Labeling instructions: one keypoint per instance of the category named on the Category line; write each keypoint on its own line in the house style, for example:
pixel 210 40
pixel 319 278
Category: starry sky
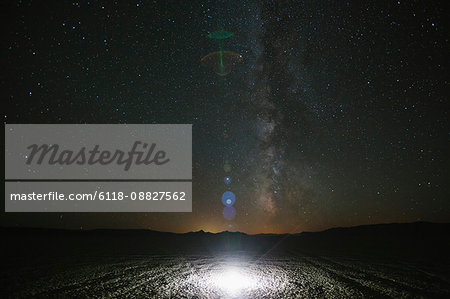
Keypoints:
pixel 337 114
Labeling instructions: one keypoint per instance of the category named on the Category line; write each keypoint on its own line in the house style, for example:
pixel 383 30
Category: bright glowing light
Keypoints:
pixel 234 277
pixel 233 281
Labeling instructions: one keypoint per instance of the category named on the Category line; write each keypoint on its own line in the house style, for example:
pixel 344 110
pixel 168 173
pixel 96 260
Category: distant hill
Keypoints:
pixel 417 241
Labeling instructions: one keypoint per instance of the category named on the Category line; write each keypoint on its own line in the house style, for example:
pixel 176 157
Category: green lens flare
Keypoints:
pixel 221 62
pixel 221 34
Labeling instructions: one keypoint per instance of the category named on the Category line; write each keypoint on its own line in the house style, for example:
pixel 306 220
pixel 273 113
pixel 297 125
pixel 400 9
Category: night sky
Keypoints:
pixel 337 114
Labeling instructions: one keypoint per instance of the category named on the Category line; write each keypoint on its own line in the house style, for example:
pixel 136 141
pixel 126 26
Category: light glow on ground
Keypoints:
pixel 234 280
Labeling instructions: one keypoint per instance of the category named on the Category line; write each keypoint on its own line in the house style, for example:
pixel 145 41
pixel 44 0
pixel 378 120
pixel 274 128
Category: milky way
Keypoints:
pixel 337 114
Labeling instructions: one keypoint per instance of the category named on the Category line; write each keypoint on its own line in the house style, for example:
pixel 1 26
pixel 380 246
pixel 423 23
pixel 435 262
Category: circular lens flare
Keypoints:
pixel 227 167
pixel 221 62
pixel 228 198
pixel 229 213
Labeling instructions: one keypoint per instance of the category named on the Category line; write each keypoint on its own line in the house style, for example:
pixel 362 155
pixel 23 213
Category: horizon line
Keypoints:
pixel 214 233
